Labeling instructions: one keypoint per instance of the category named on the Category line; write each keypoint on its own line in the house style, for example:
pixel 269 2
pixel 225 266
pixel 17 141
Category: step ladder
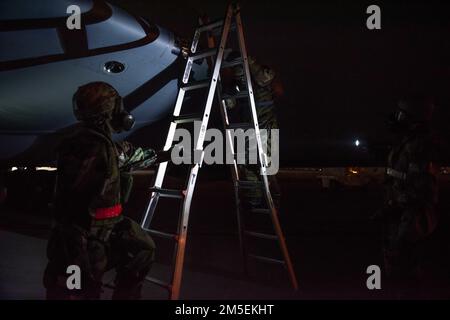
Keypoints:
pixel 232 22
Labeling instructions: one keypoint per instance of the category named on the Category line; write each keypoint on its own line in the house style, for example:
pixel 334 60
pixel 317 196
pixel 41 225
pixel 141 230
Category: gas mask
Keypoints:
pixel 264 76
pixel 398 121
pixel 121 120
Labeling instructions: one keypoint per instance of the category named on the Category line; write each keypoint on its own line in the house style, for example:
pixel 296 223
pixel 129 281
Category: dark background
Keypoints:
pixel 340 79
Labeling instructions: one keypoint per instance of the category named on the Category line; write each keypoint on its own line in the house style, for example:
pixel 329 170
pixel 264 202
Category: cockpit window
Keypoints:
pixel 119 29
pixel 23 44
pixel 39 35
pixel 39 9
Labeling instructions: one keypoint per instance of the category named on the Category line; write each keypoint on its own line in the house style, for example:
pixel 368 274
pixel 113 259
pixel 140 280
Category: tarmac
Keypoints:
pixel 329 234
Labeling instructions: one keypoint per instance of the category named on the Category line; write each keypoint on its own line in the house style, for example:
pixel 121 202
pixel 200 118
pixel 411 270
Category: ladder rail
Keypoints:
pixel 186 195
pixel 233 168
pixel 215 77
pixel 162 167
pixel 262 158
pixel 235 177
pixel 182 235
pixel 181 244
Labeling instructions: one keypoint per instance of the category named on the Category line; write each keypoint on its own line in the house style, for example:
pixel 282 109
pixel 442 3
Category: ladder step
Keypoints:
pixel 232 63
pixel 249 184
pixel 267 259
pixel 109 285
pixel 188 118
pixel 243 126
pixel 260 211
pixel 238 95
pixel 168 193
pixel 196 85
pixel 217 31
pixel 261 235
pixel 160 283
pixel 210 26
pixel 162 234
pixel 203 54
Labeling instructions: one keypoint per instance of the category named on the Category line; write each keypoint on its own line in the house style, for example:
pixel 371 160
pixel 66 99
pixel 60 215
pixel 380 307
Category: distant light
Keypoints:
pixel 357 142
pixel 37 168
pixel 46 168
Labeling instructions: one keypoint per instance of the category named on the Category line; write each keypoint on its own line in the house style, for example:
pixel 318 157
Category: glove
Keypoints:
pixel 230 103
pixel 140 159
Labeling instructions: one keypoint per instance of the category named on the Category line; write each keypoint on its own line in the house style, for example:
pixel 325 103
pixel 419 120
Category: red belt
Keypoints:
pixel 106 213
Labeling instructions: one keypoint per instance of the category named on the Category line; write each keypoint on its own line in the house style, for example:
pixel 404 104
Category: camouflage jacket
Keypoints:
pixel 264 100
pixel 411 177
pixel 88 190
pixel 265 107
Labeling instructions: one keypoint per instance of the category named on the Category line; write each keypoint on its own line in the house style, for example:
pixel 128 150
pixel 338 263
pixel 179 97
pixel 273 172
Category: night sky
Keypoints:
pixel 340 79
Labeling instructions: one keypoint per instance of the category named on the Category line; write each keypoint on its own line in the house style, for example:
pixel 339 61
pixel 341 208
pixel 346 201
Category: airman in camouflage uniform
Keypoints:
pixel 93 183
pixel 262 78
pixel 409 215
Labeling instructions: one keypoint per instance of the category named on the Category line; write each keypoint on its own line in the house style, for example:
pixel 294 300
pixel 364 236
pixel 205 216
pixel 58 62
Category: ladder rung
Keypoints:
pixel 162 234
pixel 238 95
pixel 188 118
pixel 160 283
pixel 217 31
pixel 203 54
pixel 261 235
pixel 260 210
pixel 210 26
pixel 243 126
pixel 267 259
pixel 232 63
pixel 196 85
pixel 109 285
pixel 168 193
pixel 249 184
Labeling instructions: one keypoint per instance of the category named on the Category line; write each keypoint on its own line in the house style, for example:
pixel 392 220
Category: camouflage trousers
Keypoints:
pixel 254 197
pixel 124 247
pixel 403 249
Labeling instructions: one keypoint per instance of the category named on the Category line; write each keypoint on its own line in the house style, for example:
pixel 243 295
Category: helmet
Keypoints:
pixel 93 100
pixel 411 111
pixel 98 102
pixel 417 108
